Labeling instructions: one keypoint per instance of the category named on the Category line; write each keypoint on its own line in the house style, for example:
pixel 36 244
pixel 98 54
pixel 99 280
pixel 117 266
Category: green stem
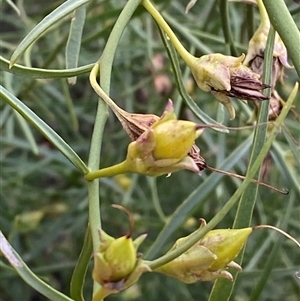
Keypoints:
pixel 155 199
pixel 264 18
pixel 286 27
pixel 186 56
pixel 222 289
pixel 226 27
pixel 101 294
pixel 105 62
pixel 114 107
pixel 197 235
pixel 108 171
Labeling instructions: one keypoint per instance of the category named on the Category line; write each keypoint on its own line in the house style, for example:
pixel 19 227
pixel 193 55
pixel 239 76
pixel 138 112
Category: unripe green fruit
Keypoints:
pixel 121 257
pixel 173 139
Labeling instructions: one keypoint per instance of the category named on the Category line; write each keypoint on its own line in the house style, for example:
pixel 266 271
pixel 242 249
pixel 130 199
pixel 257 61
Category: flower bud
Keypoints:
pixel 225 244
pixel 174 139
pixel 117 264
pixel 209 257
pixel 164 147
pixel 116 259
pixel 123 181
pixel 121 257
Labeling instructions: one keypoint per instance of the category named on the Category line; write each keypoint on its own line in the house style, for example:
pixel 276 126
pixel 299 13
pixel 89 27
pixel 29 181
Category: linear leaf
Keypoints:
pixel 27 275
pixel 223 289
pixel 77 281
pixel 74 40
pixel 44 129
pixel 42 73
pixel 57 14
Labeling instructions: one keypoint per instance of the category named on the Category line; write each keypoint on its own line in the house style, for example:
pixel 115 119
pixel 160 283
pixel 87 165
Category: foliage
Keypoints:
pixel 46 202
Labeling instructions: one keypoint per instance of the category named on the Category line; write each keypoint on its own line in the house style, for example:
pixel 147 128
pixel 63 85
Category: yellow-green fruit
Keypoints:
pixel 121 257
pixel 173 139
pixel 226 244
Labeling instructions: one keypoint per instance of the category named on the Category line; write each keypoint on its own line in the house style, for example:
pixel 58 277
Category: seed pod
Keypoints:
pixel 209 257
pixel 173 139
pixel 225 244
pixel 116 259
pixel 121 257
pixel 226 76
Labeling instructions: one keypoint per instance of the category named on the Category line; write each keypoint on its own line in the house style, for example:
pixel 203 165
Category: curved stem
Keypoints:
pixel 264 18
pixel 114 107
pixel 186 56
pixel 105 63
pixel 108 171
pixel 155 199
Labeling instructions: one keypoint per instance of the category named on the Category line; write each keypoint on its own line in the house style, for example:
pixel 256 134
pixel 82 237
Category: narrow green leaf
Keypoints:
pixel 70 105
pixel 74 40
pixel 42 73
pixel 180 85
pixel 77 281
pixel 44 129
pixel 8 83
pixel 27 132
pixel 57 14
pixel 27 275
pixel 222 289
pixel 13 6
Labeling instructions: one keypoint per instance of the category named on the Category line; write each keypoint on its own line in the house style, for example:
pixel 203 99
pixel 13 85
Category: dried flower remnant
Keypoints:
pixel 226 76
pixel 133 124
pixel 257 45
pixel 276 105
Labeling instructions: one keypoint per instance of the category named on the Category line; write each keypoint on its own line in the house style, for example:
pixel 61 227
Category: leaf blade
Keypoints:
pixel 57 14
